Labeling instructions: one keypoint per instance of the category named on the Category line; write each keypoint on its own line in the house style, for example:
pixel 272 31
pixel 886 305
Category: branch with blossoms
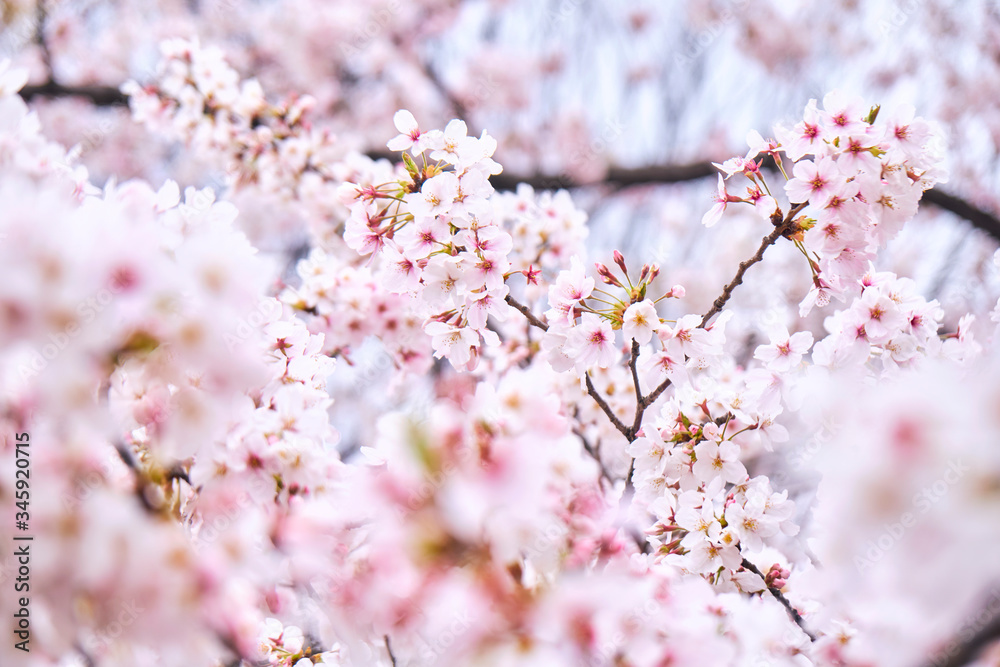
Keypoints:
pixel 847 201
pixel 616 177
pixel 431 232
pixel 475 527
pixel 432 218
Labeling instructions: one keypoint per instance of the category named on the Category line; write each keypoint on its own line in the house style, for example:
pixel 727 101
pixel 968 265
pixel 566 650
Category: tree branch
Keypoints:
pixel 780 229
pixel 963 209
pixel 780 597
pixel 625 430
pixel 639 407
pixel 968 649
pixel 594 454
pixel 617 177
pixel 101 96
pixel 388 649
pixel 524 310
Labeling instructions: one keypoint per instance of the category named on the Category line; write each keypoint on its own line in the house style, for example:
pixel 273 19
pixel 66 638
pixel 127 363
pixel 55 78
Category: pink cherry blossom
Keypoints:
pixel 814 181
pixel 592 342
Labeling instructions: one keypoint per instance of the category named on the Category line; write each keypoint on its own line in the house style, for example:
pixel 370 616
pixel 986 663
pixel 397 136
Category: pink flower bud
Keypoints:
pixel 620 261
pixel 606 275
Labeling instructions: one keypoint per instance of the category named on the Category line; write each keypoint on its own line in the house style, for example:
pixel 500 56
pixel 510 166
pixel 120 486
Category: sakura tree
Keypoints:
pixel 295 372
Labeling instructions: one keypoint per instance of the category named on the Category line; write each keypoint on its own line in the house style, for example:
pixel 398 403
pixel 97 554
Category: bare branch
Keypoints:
pixel 101 96
pixel 618 178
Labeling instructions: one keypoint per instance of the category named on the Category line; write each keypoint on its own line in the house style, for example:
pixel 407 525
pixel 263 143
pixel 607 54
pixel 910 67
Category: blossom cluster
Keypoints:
pixel 581 335
pixel 890 321
pixel 345 304
pixel 580 497
pixel 855 180
pixel 436 236
pixel 200 99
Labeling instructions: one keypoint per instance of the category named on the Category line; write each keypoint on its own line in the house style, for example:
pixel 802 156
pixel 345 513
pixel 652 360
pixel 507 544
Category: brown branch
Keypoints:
pixel 779 230
pixel 388 649
pixel 594 454
pixel 639 408
pixel 618 424
pixel 616 177
pixel 101 96
pixel 524 310
pixel 978 217
pixel 619 178
pixel 643 402
pixel 780 597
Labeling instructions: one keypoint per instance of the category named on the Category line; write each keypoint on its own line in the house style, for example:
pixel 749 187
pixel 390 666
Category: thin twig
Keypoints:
pixel 594 454
pixel 388 649
pixel 779 230
pixel 607 408
pixel 727 292
pixel 524 310
pixel 780 597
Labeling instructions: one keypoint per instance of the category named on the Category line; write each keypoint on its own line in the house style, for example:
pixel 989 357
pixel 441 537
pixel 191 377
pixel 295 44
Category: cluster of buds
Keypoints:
pixel 777 577
pixel 634 293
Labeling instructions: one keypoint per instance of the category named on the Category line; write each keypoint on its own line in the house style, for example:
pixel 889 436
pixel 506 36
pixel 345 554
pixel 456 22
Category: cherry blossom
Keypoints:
pixel 243 428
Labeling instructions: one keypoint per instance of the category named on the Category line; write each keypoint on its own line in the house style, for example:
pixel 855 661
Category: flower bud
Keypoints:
pixel 606 275
pixel 620 261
